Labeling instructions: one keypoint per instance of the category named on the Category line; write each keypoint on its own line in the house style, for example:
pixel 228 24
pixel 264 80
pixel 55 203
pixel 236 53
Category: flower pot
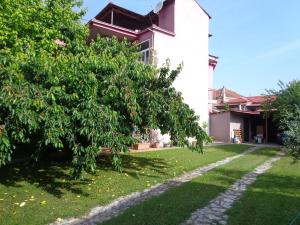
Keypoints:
pixel 141 146
pixel 105 150
pixel 155 145
pixel 167 145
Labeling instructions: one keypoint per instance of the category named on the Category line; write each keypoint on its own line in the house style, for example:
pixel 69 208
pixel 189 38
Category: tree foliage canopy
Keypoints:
pixel 287 115
pixel 82 96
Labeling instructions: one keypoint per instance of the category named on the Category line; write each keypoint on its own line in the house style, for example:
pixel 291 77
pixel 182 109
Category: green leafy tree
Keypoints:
pixel 287 105
pixel 226 107
pixel 80 96
pixel 292 141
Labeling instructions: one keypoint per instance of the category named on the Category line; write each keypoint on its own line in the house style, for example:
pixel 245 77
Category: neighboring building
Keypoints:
pixel 232 112
pixel 178 32
pixel 220 96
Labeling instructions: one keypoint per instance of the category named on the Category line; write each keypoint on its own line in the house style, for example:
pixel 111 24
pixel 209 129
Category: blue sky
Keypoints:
pixel 258 41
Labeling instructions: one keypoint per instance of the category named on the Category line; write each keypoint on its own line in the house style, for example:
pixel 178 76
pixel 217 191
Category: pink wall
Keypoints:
pixel 146 36
pixel 220 126
pixel 167 17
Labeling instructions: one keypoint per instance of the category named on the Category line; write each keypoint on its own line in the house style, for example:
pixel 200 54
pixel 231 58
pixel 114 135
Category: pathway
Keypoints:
pixel 214 213
pixel 118 206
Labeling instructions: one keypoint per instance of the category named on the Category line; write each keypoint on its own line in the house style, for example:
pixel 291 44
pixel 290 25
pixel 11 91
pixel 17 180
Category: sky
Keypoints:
pixel 257 41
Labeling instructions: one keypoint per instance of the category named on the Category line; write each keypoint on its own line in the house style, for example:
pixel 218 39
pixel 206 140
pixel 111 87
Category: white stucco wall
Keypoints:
pixel 164 46
pixel 236 123
pixel 210 77
pixel 190 46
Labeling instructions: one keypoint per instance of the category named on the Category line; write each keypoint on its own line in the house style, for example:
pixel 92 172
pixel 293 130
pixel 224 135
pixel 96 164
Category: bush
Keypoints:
pixel 82 96
pixel 287 104
pixel 292 140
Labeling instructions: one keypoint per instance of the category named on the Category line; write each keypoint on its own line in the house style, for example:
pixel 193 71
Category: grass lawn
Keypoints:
pixel 40 194
pixel 176 205
pixel 273 199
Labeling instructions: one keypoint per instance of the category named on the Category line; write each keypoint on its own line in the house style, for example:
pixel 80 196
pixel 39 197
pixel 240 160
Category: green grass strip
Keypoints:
pixel 176 205
pixel 49 193
pixel 273 199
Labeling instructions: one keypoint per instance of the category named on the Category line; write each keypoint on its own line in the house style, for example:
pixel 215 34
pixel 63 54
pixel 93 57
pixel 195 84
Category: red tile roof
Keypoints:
pixel 257 99
pixel 229 94
pixel 237 100
pixel 252 100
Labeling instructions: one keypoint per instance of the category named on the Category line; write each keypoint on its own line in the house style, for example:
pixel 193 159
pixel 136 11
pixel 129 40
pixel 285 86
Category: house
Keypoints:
pixel 232 112
pixel 177 30
pixel 219 96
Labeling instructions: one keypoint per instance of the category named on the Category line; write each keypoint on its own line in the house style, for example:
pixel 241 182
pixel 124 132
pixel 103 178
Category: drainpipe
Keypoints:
pixel 112 18
pixel 152 43
pixel 250 129
pixel 267 130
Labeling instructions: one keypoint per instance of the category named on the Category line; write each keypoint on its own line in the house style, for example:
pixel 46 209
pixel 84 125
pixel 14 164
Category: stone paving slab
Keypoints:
pixel 214 213
pixel 103 213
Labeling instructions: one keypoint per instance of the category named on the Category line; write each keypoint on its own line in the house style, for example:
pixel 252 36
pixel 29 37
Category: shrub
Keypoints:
pixel 287 104
pixel 80 96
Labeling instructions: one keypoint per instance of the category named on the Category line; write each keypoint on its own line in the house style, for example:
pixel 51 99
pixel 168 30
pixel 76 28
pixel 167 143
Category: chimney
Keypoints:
pixel 224 94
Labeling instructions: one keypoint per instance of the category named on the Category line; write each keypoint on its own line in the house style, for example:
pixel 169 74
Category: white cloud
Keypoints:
pixel 291 46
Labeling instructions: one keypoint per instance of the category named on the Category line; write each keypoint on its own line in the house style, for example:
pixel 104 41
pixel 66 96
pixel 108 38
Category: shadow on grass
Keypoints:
pixel 133 164
pixel 54 177
pixel 50 177
pixel 176 205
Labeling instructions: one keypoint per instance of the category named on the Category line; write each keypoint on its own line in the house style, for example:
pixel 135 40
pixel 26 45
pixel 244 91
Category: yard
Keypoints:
pixel 176 205
pixel 273 199
pixel 42 194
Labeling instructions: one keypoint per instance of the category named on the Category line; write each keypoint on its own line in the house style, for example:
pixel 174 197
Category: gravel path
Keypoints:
pixel 214 213
pixel 103 213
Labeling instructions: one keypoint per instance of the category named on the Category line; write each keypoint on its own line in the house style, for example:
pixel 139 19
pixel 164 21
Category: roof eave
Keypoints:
pixel 114 28
pixel 203 10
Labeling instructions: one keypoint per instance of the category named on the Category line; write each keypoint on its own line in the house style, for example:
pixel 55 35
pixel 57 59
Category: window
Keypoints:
pixel 145 52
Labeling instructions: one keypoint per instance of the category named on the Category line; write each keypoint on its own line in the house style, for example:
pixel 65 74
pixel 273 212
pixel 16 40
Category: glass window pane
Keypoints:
pixel 145 45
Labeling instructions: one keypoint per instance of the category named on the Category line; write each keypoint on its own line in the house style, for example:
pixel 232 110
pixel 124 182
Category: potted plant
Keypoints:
pixel 105 150
pixel 154 139
pixel 142 140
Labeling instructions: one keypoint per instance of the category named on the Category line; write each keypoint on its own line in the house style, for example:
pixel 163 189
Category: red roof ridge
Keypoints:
pixel 229 93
